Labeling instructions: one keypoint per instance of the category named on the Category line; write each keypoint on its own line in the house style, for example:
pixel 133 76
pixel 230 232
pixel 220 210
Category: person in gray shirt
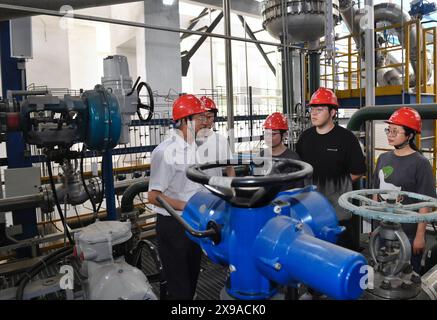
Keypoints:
pixel 406 169
pixel 275 129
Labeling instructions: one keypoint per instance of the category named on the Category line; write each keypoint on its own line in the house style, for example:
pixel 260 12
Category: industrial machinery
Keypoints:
pixel 305 20
pixel 390 249
pixel 110 277
pixel 392 14
pixel 100 120
pixel 265 238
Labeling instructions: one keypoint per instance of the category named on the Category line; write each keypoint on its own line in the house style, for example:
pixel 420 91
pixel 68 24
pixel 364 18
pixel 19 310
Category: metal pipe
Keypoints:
pixel 426 111
pixel 137 24
pixel 13 93
pixel 250 111
pixel 369 45
pixel 394 15
pixel 229 77
pixel 369 56
pixel 314 71
pixel 58 5
pixel 22 202
pixel 38 199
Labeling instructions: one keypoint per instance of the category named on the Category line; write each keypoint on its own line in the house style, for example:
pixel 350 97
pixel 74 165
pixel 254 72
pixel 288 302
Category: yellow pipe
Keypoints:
pixel 359 71
pixel 349 64
pixel 418 72
pixel 390 66
pixel 389 49
pixel 418 63
pixel 407 60
pixel 424 64
pixel 434 160
pixel 305 75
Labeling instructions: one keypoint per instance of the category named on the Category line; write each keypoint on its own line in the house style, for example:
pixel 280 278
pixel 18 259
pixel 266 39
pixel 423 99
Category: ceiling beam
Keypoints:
pixel 243 7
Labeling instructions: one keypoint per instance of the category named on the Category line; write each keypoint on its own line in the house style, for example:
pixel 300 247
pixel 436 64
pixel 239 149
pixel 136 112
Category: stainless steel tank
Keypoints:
pixel 304 19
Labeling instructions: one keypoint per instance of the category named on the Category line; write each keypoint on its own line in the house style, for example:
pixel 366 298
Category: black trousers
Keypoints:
pixel 350 237
pixel 180 258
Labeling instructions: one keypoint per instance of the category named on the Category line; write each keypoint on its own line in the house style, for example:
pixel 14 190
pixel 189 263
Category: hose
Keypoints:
pixel 58 206
pixel 159 277
pixel 103 192
pixel 127 201
pixel 93 204
pixel 36 268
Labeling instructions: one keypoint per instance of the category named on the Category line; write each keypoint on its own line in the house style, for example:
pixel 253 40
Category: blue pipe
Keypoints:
pixel 288 241
pixel 288 251
pixel 109 184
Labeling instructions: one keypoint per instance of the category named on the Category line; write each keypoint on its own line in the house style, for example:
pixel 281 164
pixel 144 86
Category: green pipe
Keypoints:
pixel 426 111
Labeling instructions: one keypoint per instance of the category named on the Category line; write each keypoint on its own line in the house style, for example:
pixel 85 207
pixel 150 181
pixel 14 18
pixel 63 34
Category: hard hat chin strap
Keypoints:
pixel 404 144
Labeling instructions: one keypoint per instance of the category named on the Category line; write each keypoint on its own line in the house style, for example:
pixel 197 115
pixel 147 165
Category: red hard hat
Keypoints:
pixel 406 117
pixel 276 121
pixel 209 104
pixel 187 105
pixel 324 96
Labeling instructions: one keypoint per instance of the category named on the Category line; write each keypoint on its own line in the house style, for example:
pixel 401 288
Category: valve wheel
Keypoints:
pixel 250 191
pixel 390 209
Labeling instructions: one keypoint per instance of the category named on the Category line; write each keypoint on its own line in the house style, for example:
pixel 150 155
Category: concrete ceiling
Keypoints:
pixel 244 7
pixel 6 14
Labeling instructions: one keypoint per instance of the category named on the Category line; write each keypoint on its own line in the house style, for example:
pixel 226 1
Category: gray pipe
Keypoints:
pixel 427 112
pixel 53 5
pixel 40 199
pixel 393 14
pixel 229 76
pixel 21 202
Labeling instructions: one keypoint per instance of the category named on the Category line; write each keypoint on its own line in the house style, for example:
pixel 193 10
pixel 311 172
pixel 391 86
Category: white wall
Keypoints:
pixel 129 40
pixel 69 53
pixel 51 53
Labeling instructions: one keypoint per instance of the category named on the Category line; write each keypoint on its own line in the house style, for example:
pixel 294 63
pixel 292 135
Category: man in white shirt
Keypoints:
pixel 179 255
pixel 215 146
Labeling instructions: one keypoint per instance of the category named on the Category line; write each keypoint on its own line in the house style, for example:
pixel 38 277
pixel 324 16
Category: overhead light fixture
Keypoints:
pixel 168 2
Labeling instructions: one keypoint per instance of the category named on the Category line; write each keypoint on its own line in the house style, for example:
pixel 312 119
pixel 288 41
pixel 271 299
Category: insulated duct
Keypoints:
pixel 52 5
pixel 392 14
pixel 426 111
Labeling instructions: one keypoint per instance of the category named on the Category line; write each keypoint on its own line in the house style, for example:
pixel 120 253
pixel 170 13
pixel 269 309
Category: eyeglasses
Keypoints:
pixel 200 118
pixel 271 133
pixel 392 132
pixel 316 110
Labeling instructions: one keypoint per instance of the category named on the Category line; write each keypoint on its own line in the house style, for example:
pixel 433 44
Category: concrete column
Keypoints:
pixel 163 52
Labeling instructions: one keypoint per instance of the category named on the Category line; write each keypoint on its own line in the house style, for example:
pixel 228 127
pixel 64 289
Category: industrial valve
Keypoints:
pixel 269 238
pixel 93 118
pixel 390 249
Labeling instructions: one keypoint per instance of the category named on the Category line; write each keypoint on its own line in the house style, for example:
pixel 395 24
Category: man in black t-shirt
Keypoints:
pixel 335 154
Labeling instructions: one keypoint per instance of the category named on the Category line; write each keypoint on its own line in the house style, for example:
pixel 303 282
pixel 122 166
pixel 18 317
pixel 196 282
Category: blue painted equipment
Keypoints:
pixel 284 238
pixel 93 118
pixel 421 8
